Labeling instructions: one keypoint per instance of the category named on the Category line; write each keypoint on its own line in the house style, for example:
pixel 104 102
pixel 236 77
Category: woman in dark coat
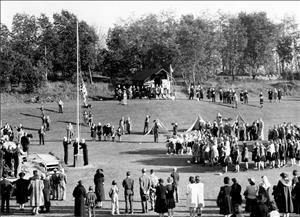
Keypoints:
pixel 296 195
pixel 161 199
pixel 170 196
pixel 21 190
pixel 99 187
pixel 236 196
pixel 79 194
pixel 284 191
pixel 224 198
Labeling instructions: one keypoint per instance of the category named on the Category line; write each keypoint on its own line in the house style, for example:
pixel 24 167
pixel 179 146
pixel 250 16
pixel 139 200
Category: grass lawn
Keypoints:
pixel 137 151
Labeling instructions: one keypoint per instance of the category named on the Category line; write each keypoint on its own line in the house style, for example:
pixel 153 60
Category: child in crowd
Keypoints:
pixel 113 194
pixel 90 202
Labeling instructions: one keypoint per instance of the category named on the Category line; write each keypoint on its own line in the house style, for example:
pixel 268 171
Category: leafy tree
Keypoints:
pixel 235 43
pixel 261 39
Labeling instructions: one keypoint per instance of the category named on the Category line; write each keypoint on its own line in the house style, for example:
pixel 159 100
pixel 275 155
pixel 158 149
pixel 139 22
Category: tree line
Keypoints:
pixel 38 50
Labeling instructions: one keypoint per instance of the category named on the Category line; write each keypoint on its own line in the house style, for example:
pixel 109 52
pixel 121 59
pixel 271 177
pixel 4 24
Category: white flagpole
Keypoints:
pixel 78 97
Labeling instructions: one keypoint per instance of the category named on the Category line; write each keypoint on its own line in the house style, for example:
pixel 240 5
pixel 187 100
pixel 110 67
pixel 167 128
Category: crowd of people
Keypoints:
pixel 38 190
pixel 108 132
pixel 154 194
pixel 141 92
pixel 230 95
pixel 262 200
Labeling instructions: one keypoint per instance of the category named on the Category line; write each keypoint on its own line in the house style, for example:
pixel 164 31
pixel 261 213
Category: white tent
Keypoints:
pixel 198 123
pixel 161 127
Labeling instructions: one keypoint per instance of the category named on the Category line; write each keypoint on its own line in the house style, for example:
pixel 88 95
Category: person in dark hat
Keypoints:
pixel 79 194
pixel 6 188
pixel 21 189
pixel 83 146
pixel 284 193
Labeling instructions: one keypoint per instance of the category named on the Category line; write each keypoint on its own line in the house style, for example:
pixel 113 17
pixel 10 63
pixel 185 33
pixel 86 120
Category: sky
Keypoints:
pixel 104 14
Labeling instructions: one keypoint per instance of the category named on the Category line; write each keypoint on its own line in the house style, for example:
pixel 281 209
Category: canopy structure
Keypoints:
pixel 197 125
pixel 160 125
pixel 239 120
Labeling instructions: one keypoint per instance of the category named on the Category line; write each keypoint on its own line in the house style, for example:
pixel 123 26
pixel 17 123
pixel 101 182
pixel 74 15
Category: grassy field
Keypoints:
pixel 137 151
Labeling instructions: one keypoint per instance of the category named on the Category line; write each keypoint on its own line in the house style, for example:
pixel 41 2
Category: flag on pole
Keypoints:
pixel 83 89
pixel 171 70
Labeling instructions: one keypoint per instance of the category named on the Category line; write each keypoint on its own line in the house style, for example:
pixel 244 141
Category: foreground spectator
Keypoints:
pixel 79 194
pixel 161 199
pixel 90 202
pixel 224 199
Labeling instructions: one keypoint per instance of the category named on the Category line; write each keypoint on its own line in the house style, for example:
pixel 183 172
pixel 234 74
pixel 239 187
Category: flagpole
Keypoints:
pixel 78 97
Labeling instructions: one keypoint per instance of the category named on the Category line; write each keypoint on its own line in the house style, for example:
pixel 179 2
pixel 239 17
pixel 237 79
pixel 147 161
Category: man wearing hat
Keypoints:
pixel 128 184
pixel 66 149
pixel 144 182
pixel 6 188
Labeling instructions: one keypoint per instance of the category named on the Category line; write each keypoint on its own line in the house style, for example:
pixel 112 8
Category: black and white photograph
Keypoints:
pixel 150 108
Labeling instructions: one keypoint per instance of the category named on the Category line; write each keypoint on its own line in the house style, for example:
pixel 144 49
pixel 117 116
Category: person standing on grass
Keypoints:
pixel 99 131
pixel 236 189
pixel 245 156
pixel 6 188
pixel 42 133
pixel 122 125
pixel 60 106
pixel 155 131
pixel 75 151
pixel 224 199
pixel 90 202
pixel 79 194
pixel 93 131
pixel 250 195
pixel 21 188
pixel 46 194
pixel 66 144
pixel 175 176
pixel 83 146
pixel 47 122
pixel 54 180
pixel 114 196
pixel 146 126
pixel 170 197
pixel 200 195
pixel 261 100
pixel 36 187
pixel 270 95
pixel 283 189
pixel 62 186
pixel 153 184
pixel 128 125
pixel 99 187
pixel 144 182
pixel 191 196
pixel 128 185
pixel 161 199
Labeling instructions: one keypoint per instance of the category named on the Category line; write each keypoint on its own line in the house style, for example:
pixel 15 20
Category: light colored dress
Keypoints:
pixel 200 194
pixel 192 196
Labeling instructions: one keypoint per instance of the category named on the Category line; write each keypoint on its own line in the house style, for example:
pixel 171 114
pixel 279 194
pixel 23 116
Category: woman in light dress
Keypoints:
pixel 192 196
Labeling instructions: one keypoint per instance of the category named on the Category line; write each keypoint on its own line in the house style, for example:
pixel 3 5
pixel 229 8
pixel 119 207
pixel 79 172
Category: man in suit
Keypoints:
pixel 5 189
pixel 175 177
pixel 144 182
pixel 128 184
pixel 153 184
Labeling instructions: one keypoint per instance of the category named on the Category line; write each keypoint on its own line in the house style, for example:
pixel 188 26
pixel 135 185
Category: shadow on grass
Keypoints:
pixel 101 98
pixel 252 105
pixel 30 115
pixel 145 152
pixel 51 110
pixel 29 128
